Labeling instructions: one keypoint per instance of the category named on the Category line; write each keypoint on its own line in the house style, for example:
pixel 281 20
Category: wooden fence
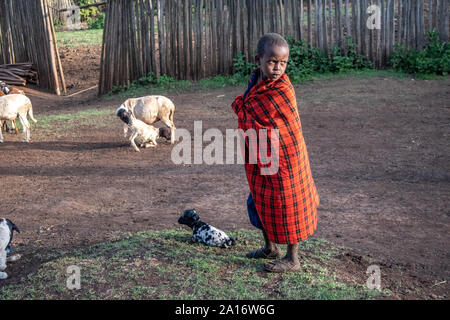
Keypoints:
pixel 193 39
pixel 27 35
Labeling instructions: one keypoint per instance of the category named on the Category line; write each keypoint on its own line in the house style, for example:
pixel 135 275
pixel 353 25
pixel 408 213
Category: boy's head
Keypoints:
pixel 272 56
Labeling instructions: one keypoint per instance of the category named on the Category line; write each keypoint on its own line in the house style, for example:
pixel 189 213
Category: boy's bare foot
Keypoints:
pixel 289 263
pixel 270 250
pixel 282 265
pixel 264 253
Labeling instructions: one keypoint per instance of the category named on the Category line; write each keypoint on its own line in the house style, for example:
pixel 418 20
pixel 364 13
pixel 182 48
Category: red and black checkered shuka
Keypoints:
pixel 285 201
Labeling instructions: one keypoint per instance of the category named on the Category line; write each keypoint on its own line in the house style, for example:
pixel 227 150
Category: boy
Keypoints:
pixel 284 204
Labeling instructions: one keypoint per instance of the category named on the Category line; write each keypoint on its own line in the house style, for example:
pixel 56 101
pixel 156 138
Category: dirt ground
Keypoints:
pixel 379 154
pixel 81 67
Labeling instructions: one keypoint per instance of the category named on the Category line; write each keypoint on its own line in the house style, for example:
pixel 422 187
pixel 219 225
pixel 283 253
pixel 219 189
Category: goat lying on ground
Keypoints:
pixel 14 105
pixel 7 229
pixel 151 109
pixel 205 233
pixel 145 135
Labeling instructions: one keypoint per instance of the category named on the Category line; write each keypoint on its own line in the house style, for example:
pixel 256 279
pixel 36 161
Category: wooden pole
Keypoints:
pixel 58 59
pixel 310 37
pixel 330 13
pixel 324 25
pixel 51 49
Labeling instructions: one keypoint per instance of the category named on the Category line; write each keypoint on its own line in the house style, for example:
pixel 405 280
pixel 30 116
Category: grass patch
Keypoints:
pixel 162 85
pixel 61 123
pixel 89 37
pixel 223 81
pixel 370 73
pixel 361 74
pixel 220 81
pixel 164 265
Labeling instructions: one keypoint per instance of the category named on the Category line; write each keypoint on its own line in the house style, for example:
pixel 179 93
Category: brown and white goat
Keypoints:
pixel 4 90
pixel 13 106
pixel 151 109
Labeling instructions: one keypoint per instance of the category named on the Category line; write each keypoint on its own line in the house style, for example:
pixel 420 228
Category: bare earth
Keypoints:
pixel 378 148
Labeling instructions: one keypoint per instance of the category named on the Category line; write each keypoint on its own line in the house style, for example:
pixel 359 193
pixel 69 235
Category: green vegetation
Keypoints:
pixel 151 85
pixel 221 81
pixel 434 59
pixel 62 123
pixel 241 66
pixel 79 38
pixel 94 18
pixel 58 23
pixel 361 74
pixel 305 62
pixel 90 13
pixel 164 265
pixel 158 85
pixel 169 84
pixel 97 22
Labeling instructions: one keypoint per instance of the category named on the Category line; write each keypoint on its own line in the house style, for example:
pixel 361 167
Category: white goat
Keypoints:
pixel 17 105
pixel 151 109
pixel 144 134
pixel 7 229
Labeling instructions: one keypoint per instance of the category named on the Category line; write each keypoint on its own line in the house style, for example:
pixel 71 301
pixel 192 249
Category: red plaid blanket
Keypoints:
pixel 287 200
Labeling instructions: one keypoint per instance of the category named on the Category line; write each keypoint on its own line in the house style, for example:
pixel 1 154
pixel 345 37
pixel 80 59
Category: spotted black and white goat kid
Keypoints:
pixel 144 134
pixel 7 229
pixel 205 233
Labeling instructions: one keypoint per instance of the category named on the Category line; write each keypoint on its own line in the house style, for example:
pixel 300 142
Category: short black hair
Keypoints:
pixel 270 39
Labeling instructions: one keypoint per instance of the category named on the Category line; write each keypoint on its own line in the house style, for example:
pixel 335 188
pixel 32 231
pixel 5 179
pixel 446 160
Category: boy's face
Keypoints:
pixel 274 62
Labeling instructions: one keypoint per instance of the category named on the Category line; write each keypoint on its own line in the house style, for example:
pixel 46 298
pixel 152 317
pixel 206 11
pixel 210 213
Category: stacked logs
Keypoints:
pixel 27 35
pixel 18 74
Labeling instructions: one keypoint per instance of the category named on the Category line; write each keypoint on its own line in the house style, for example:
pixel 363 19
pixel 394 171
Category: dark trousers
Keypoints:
pixel 253 214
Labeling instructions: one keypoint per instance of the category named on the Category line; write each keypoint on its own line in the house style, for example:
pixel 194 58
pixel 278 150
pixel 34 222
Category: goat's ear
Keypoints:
pixel 12 226
pixel 195 215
